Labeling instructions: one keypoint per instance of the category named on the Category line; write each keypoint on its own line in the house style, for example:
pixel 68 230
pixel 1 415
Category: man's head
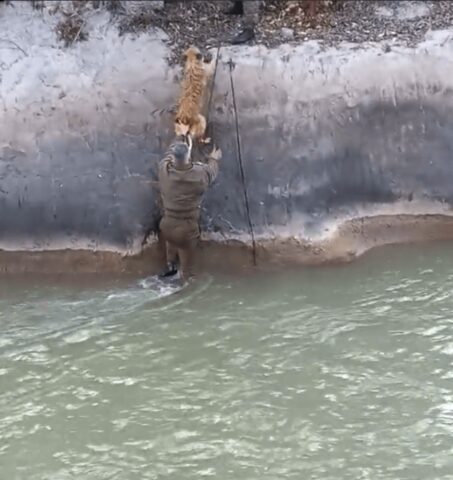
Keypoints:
pixel 181 151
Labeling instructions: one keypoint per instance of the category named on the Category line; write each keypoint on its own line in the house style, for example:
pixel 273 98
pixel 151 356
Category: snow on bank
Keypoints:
pixel 47 88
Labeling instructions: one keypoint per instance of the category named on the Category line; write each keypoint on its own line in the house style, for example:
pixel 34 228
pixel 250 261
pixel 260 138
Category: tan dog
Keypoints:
pixel 189 119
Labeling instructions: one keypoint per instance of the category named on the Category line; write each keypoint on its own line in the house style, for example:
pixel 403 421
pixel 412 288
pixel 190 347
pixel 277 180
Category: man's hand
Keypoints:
pixel 216 153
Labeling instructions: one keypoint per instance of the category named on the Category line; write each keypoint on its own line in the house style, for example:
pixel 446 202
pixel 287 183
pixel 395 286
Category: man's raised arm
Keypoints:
pixel 211 167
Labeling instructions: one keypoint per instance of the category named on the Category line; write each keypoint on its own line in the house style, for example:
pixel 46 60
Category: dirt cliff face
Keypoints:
pixel 313 138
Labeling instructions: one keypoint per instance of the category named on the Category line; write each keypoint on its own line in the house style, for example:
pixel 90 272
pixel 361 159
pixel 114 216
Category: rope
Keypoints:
pixel 241 166
pixel 212 84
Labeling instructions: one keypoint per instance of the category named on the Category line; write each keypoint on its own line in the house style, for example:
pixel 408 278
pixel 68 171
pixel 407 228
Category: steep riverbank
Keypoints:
pixel 346 138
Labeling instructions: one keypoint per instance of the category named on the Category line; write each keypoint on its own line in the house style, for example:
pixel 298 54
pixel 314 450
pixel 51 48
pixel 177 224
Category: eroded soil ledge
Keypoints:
pixel 351 240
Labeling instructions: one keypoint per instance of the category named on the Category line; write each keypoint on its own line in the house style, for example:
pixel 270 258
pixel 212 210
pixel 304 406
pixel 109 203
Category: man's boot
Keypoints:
pixel 170 271
pixel 247 34
pixel 236 9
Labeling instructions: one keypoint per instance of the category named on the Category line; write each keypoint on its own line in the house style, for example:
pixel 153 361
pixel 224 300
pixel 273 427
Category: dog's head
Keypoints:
pixel 181 129
pixel 192 54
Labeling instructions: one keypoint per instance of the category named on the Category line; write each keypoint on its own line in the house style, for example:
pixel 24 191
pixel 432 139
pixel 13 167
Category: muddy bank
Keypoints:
pixel 350 240
pixel 327 136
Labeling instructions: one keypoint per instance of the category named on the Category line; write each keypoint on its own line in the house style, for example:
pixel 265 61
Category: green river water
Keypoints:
pixel 338 373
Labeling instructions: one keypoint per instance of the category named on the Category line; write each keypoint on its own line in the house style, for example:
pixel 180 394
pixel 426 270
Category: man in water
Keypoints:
pixel 182 184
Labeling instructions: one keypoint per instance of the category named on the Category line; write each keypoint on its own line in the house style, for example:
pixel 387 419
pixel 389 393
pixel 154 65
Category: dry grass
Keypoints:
pixel 299 14
pixel 139 22
pixel 203 23
pixel 71 28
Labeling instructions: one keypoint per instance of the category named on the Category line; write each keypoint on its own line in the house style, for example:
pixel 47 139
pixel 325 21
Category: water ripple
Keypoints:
pixel 265 377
